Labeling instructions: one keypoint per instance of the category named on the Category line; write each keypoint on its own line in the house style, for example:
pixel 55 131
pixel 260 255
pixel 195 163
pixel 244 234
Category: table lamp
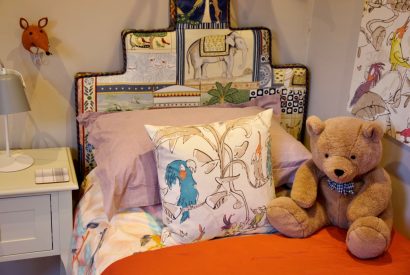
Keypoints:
pixel 12 100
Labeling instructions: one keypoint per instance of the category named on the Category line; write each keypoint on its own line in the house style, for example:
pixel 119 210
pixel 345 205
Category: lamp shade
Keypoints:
pixel 12 96
pixel 12 100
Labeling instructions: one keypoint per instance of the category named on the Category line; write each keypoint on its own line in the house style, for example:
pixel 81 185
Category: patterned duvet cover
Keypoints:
pixel 98 242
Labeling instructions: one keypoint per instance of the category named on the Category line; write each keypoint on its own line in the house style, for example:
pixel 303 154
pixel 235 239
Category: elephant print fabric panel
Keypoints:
pixel 380 87
pixel 218 56
pixel 215 179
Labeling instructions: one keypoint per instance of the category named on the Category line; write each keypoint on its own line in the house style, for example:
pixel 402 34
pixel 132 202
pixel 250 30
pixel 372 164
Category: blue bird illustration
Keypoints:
pixel 182 170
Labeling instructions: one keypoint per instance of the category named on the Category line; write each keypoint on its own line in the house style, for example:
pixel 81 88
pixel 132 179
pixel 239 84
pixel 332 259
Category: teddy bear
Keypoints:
pixel 342 185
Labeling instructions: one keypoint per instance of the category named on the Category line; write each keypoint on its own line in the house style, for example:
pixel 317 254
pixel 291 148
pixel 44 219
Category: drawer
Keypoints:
pixel 25 224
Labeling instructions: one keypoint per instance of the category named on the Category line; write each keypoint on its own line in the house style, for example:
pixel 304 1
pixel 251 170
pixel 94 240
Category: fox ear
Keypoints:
pixel 42 22
pixel 314 126
pixel 23 23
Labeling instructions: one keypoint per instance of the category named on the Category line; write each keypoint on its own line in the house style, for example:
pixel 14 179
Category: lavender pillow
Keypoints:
pixel 265 102
pixel 287 154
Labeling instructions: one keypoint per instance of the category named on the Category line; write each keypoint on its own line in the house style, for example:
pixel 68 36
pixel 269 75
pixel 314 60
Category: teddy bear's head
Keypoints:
pixel 345 147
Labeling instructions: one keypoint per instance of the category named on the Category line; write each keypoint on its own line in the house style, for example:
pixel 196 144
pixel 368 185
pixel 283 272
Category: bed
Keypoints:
pixel 115 247
pixel 181 150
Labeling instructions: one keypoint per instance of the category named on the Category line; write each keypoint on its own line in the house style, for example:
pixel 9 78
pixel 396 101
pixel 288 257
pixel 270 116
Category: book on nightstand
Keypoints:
pixel 52 175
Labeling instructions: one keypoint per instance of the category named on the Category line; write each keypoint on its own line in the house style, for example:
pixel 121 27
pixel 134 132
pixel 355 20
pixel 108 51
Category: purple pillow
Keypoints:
pixel 265 102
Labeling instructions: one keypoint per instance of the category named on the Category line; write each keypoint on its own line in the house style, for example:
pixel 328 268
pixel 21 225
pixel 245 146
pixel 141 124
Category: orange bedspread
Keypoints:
pixel 322 253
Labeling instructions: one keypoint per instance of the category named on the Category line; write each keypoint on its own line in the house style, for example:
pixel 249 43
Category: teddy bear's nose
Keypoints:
pixel 339 172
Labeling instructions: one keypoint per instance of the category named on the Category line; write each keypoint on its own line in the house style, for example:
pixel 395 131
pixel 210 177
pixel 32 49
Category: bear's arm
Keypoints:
pixel 304 188
pixel 374 196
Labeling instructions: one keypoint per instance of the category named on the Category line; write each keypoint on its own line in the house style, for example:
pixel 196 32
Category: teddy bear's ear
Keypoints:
pixel 314 126
pixel 373 130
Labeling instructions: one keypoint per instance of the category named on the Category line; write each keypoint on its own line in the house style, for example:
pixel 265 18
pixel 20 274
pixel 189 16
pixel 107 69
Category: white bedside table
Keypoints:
pixel 36 219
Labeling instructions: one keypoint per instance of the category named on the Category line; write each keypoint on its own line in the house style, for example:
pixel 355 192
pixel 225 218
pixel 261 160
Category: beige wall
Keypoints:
pixel 288 21
pixel 85 36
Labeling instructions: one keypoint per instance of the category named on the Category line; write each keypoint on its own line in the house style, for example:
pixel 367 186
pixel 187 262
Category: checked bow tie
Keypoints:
pixel 345 189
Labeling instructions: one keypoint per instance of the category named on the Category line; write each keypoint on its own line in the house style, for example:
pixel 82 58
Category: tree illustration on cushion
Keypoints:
pixel 217 153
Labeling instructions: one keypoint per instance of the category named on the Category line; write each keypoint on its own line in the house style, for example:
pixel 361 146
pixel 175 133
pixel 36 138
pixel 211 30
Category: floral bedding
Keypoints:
pixel 98 242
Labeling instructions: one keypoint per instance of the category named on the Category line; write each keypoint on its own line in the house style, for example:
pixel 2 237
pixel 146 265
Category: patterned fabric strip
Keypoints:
pixel 212 25
pixel 180 33
pixel 256 54
pixel 345 189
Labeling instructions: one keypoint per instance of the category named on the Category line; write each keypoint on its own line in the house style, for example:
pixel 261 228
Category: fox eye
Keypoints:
pixel 30 33
pixel 353 157
pixel 326 155
pixel 41 31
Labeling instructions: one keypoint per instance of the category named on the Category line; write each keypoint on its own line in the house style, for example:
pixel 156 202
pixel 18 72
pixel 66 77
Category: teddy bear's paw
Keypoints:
pixel 368 237
pixel 287 217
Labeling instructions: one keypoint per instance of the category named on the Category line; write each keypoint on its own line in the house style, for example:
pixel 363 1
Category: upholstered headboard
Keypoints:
pixel 199 60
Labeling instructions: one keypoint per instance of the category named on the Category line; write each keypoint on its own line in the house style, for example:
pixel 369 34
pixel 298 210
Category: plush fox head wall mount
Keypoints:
pixel 34 37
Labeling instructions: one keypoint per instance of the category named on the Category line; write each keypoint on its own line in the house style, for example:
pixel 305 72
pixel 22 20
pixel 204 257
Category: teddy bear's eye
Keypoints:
pixel 326 155
pixel 353 157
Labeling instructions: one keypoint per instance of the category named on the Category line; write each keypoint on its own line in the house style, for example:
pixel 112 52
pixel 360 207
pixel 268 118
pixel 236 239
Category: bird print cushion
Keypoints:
pixel 215 179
